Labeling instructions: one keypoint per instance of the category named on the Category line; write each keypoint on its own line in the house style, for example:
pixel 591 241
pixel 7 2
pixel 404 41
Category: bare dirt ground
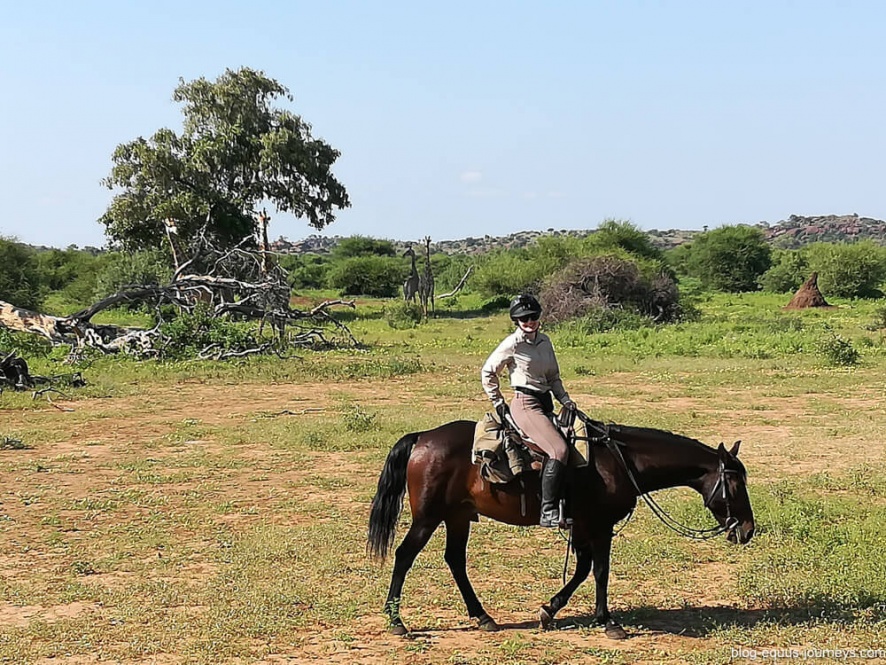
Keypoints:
pixel 776 444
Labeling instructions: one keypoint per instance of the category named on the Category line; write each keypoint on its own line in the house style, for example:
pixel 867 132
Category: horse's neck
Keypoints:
pixel 659 463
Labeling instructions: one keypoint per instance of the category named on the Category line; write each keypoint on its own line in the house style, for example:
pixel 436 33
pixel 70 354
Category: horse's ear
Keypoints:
pixel 721 450
pixel 734 450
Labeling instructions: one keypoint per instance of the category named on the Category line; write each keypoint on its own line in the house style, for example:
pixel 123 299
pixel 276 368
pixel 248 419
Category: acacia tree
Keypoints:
pixel 730 258
pixel 235 151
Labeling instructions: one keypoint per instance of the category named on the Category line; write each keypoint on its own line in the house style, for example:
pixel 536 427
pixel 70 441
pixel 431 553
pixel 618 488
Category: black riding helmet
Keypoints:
pixel 524 305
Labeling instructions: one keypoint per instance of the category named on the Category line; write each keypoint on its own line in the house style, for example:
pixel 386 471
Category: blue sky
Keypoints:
pixel 464 119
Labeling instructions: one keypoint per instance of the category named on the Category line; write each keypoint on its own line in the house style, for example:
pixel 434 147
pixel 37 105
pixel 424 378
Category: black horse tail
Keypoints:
pixel 388 500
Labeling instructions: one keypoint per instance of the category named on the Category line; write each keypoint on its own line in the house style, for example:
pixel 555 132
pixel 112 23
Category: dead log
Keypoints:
pixel 239 283
pixel 14 371
pixel 459 286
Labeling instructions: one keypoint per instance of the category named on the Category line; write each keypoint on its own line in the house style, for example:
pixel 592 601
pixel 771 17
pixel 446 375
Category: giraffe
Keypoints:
pixel 410 286
pixel 262 237
pixel 426 283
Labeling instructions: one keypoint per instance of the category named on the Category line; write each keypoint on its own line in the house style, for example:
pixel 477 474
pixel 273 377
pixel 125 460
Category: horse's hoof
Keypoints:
pixel 614 631
pixel 487 624
pixel 545 618
pixel 397 629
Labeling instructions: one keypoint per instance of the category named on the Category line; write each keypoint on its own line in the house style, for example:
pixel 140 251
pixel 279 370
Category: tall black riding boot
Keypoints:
pixel 551 487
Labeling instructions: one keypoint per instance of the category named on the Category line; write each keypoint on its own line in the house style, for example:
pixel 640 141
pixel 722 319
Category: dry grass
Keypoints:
pixel 223 520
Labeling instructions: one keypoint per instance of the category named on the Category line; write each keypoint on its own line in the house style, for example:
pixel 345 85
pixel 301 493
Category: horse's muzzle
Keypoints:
pixel 741 533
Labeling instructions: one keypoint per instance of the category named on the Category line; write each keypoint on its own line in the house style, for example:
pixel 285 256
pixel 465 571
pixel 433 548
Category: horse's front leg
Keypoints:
pixel 582 570
pixel 601 548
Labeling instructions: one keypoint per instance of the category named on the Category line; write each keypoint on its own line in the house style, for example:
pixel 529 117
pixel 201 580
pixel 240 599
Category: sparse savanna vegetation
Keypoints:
pixel 190 438
pixel 188 511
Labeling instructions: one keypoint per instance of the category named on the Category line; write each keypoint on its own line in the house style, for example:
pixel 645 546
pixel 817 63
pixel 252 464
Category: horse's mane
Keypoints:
pixel 662 435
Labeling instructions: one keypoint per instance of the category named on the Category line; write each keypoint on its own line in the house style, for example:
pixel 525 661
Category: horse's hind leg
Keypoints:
pixel 583 561
pixel 416 538
pixel 458 530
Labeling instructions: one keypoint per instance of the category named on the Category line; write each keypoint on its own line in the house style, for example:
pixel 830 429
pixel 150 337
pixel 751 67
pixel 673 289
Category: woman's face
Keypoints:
pixel 528 324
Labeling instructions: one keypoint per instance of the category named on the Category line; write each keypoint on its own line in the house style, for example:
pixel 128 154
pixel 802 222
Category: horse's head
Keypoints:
pixel 726 495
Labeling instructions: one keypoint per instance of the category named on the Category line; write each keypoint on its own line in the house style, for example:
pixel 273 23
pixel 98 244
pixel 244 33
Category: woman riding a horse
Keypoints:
pixel 535 376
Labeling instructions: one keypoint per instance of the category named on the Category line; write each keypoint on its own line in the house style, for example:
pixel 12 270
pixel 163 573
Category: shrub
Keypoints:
pixel 19 275
pixel 613 233
pixel 191 332
pixel 788 272
pixel 602 319
pixel 731 258
pixel 508 273
pixel 879 320
pixel 363 246
pixel 378 276
pixel 355 419
pixel 137 268
pixel 401 314
pixel 854 270
pixel 838 351
pixel 306 271
pixel 610 282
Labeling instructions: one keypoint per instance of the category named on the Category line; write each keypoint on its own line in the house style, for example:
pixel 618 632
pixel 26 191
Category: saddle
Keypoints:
pixel 504 454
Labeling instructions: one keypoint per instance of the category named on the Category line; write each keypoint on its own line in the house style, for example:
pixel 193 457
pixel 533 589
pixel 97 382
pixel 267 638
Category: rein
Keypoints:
pixel 673 524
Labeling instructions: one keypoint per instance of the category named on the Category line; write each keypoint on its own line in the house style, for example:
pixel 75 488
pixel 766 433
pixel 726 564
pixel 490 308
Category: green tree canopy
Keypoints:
pixel 363 246
pixel 378 276
pixel 630 237
pixel 236 151
pixel 730 258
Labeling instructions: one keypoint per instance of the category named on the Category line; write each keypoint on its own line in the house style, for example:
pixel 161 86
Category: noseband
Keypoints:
pixel 721 484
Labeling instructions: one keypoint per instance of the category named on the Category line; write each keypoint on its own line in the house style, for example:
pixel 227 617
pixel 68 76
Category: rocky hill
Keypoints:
pixel 796 230
pixel 790 233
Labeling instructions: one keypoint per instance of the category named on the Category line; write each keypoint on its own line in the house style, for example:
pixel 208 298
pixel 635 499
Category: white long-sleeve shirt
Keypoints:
pixel 531 364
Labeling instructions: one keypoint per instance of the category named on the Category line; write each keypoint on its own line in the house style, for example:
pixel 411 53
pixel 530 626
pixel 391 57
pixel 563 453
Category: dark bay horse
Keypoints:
pixel 445 487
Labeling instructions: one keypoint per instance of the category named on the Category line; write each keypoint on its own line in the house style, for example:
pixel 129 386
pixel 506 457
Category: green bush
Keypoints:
pixel 613 233
pixel 19 275
pixel 24 344
pixel 601 319
pixel 378 276
pixel 731 258
pixel 788 272
pixel 122 270
pixel 306 271
pixel 363 246
pixel 191 332
pixel 401 314
pixel 879 320
pixel 838 351
pixel 855 270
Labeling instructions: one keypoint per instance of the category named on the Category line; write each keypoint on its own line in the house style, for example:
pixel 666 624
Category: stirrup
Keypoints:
pixel 565 518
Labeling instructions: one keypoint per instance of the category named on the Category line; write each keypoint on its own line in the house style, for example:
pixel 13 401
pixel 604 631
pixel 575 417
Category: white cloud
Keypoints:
pixel 471 177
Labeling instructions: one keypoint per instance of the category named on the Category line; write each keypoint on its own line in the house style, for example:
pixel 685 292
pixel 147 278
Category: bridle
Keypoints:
pixel 614 447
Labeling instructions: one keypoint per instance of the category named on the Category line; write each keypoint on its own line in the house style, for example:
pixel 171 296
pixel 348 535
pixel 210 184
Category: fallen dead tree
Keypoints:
pixel 239 286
